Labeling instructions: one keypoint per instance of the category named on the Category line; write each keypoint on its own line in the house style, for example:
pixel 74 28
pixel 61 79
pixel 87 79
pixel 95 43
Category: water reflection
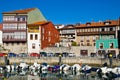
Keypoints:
pixel 47 75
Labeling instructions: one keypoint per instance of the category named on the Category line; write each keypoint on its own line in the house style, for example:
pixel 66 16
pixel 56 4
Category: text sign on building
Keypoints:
pixel 33 29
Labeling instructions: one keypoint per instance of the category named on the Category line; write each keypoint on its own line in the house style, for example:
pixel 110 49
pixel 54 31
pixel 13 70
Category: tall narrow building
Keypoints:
pixel 15 28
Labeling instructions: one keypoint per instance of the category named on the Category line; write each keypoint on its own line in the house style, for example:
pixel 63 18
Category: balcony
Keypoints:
pixel 14 30
pixel 14 40
pixel 95 33
pixel 13 21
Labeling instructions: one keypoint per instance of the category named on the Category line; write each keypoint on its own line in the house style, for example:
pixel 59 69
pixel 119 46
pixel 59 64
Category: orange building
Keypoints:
pixel 47 35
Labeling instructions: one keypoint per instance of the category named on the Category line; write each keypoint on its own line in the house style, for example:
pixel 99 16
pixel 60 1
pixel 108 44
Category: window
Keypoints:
pixel 88 40
pixel 111 29
pixel 43 38
pixel 88 44
pixel 49 33
pixel 103 29
pixel 49 39
pixel 81 41
pixel 111 45
pixel 21 26
pixel 94 44
pixel 33 46
pixel 36 36
pixel 8 18
pixel 23 19
pixel 78 30
pixel 97 29
pixel 82 44
pixel 43 30
pixel 18 19
pixel 31 37
pixel 101 45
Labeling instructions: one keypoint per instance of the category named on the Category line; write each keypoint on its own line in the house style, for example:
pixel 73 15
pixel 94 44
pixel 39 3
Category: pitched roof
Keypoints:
pixel 20 11
pixel 70 26
pixel 99 24
pixel 39 23
pixel 1 27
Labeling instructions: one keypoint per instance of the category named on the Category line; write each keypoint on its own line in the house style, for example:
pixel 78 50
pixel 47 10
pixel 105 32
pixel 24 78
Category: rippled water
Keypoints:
pixel 46 75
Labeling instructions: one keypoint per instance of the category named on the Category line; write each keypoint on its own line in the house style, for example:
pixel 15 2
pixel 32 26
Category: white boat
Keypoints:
pixel 23 66
pixel 10 68
pixel 76 67
pixel 64 67
pixel 35 66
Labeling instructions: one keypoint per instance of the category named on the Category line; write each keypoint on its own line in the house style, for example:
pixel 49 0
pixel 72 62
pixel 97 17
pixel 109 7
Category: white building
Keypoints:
pixel 34 40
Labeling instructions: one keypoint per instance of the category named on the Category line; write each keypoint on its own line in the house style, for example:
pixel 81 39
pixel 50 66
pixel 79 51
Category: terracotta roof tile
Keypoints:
pixel 97 24
pixel 20 11
pixel 68 27
pixel 39 23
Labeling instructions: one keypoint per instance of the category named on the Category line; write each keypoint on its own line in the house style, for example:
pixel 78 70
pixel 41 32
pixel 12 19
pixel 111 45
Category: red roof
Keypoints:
pixel 97 24
pixel 1 27
pixel 39 23
pixel 20 11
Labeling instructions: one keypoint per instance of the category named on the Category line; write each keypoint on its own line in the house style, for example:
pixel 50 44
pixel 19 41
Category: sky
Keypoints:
pixel 67 11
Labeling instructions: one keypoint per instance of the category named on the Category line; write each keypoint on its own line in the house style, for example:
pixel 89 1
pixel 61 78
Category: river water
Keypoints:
pixel 47 75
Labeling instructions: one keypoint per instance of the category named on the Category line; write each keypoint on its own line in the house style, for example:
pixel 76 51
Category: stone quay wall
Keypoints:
pixel 66 60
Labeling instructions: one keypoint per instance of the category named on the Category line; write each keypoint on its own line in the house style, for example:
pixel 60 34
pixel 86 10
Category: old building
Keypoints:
pixel 67 35
pixel 15 28
pixel 101 35
pixel 41 35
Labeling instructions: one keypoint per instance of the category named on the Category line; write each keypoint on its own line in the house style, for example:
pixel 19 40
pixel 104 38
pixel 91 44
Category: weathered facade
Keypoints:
pixel 67 35
pixel 101 35
pixel 15 28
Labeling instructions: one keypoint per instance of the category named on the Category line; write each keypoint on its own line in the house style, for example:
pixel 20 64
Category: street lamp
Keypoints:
pixel 110 59
pixel 60 55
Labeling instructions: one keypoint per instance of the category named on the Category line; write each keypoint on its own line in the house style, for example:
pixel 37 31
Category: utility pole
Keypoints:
pixel 6 60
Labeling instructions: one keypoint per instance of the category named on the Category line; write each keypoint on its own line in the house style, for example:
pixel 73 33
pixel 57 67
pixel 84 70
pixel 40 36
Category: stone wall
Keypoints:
pixel 16 48
pixel 67 60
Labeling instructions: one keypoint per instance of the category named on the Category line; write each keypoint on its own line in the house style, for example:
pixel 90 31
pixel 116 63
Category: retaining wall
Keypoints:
pixel 68 60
